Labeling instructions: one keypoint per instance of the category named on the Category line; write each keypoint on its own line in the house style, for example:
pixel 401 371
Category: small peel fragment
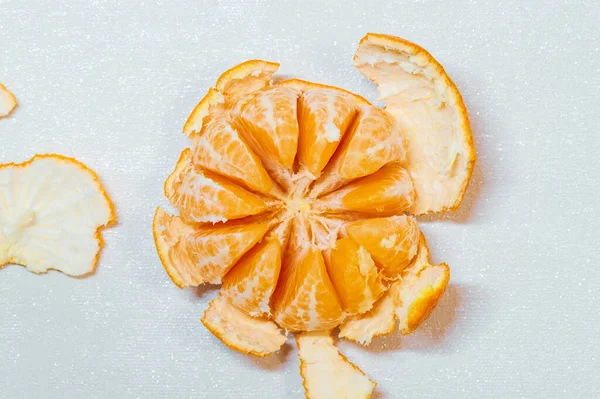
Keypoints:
pixel 240 332
pixel 326 372
pixel 52 211
pixel 8 102
pixel 431 114
pixel 409 300
pixel 378 321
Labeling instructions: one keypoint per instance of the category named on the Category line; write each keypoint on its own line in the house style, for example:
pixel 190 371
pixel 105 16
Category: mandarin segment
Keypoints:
pixel 203 197
pixel 392 241
pixel 324 118
pixel 431 113
pixel 269 121
pixel 194 255
pixel 389 190
pixel 220 148
pixel 52 211
pixel 305 299
pixel 240 332
pixel 8 102
pixel 251 282
pixel 354 276
pixel 326 372
pixel 374 141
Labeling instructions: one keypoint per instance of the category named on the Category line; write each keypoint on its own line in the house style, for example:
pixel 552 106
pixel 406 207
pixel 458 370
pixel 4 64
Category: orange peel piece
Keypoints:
pixel 8 102
pixel 52 211
pixel 431 114
pixel 326 372
pixel 378 321
pixel 240 332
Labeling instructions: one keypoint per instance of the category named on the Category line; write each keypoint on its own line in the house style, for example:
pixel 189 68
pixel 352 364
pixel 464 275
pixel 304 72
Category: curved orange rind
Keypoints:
pixel 240 332
pixel 52 212
pixel 8 102
pixel 431 113
pixel 326 372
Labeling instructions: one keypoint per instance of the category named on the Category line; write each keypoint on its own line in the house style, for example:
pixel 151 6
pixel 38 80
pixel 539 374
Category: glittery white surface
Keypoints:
pixel 111 83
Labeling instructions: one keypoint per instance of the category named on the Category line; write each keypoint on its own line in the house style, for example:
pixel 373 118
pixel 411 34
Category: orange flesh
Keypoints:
pixel 325 116
pixel 305 299
pixel 251 282
pixel 354 276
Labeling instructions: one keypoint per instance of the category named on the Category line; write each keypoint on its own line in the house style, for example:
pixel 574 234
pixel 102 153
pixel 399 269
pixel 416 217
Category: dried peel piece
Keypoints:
pixel 194 255
pixel 8 102
pixel 431 114
pixel 203 197
pixel 326 372
pixel 419 291
pixel 240 332
pixel 52 209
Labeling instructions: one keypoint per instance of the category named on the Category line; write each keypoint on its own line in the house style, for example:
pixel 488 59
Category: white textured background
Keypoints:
pixel 111 83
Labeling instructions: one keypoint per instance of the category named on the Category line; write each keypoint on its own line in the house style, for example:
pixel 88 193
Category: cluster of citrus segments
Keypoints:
pixel 8 102
pixel 52 210
pixel 297 197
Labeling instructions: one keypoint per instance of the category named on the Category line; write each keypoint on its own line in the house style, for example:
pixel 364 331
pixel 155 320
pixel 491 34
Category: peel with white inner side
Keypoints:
pixel 243 333
pixel 8 102
pixel 52 209
pixel 326 372
pixel 431 114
